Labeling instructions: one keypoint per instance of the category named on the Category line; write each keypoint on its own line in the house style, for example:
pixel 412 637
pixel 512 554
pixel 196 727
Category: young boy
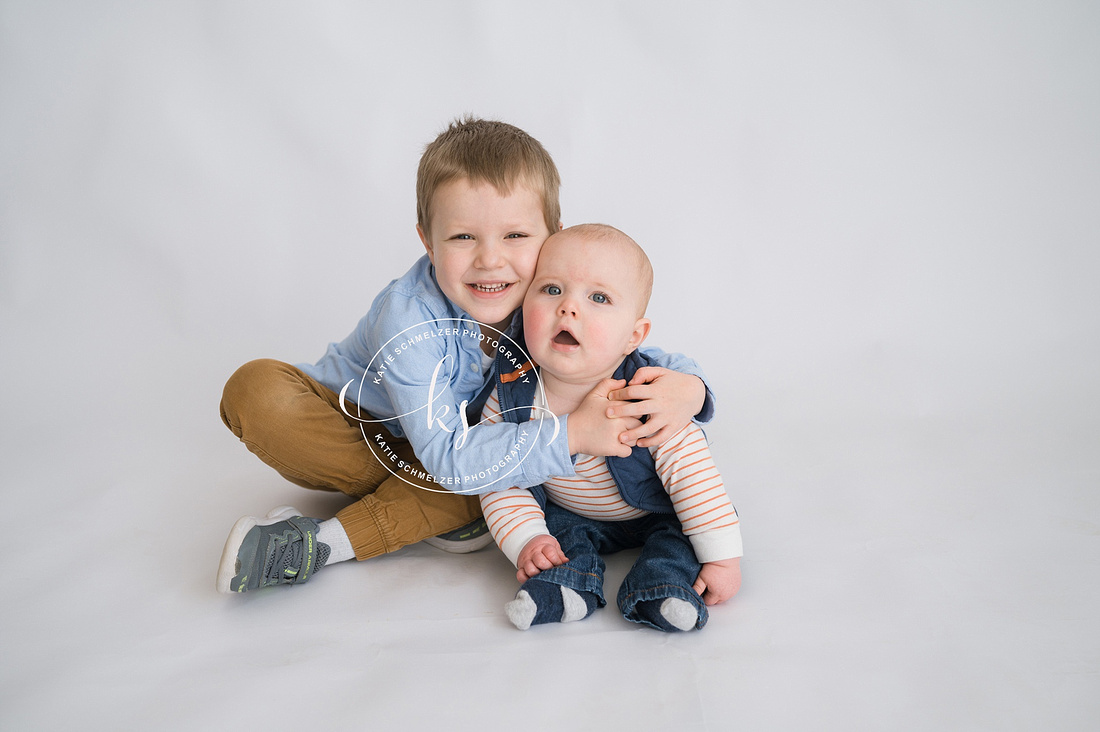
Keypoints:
pixel 583 321
pixel 400 391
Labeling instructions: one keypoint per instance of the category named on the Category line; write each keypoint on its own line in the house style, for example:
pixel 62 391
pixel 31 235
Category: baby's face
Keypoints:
pixel 582 313
pixel 484 246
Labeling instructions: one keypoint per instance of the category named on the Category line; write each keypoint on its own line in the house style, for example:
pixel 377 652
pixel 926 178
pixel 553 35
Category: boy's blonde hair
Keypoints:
pixel 487 151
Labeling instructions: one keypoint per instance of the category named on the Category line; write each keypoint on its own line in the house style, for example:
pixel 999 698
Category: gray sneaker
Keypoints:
pixel 280 549
pixel 469 538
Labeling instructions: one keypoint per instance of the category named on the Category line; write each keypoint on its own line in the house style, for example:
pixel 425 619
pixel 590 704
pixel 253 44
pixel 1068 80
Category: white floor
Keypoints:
pixel 875 227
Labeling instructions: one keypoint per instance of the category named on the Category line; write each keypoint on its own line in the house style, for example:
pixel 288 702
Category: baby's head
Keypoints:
pixel 585 309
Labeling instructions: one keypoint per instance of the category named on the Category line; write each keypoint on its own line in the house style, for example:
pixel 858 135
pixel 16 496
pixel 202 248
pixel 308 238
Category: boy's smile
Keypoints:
pixel 484 246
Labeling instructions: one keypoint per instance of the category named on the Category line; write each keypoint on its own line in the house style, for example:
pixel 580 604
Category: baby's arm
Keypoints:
pixel 518 525
pixel 541 551
pixel 709 520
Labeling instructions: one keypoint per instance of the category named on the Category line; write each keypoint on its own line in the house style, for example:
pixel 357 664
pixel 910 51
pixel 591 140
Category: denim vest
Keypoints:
pixel 636 476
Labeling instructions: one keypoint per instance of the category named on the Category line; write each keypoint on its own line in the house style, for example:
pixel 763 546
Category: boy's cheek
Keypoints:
pixel 522 292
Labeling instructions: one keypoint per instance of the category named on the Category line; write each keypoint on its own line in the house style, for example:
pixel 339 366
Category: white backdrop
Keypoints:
pixel 875 224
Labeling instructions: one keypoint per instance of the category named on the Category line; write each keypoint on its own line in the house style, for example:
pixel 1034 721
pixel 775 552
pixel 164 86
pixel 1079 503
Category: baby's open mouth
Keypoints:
pixel 565 338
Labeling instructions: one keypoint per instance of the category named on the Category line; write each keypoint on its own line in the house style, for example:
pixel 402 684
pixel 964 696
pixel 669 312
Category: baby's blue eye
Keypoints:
pixel 599 297
pixel 553 290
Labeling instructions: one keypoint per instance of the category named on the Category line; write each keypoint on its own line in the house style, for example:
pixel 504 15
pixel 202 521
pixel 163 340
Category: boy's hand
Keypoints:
pixel 542 552
pixel 670 398
pixel 718 581
pixel 591 432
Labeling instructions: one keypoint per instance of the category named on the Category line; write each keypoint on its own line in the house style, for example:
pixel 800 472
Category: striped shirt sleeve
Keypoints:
pixel 514 516
pixel 698 495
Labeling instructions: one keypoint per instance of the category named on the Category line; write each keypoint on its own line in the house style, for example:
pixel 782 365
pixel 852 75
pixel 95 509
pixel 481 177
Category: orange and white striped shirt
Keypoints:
pixel 686 469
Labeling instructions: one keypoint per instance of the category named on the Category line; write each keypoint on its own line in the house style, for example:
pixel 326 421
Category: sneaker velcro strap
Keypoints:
pixel 309 547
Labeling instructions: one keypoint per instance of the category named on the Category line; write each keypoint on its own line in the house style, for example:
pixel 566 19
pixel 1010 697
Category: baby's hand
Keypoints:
pixel 670 398
pixel 542 552
pixel 718 581
pixel 590 430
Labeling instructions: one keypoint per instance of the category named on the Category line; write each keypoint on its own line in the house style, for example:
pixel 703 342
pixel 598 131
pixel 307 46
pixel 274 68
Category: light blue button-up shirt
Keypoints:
pixel 415 345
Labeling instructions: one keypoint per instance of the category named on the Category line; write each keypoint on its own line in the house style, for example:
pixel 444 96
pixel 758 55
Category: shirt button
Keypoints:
pixel 473 367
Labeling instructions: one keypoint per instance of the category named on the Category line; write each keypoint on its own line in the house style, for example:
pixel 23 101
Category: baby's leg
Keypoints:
pixel 658 589
pixel 569 592
pixel 539 602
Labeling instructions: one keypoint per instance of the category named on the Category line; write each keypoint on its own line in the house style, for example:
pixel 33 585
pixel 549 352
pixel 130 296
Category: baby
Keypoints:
pixel 583 322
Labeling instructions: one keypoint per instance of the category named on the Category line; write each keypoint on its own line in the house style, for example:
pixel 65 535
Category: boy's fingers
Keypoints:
pixel 628 393
pixel 627 409
pixel 644 374
pixel 656 438
pixel 632 436
pixel 606 386
pixel 622 450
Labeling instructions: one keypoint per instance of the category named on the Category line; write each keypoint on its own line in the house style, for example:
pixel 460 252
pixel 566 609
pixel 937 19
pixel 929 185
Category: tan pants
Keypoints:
pixel 295 425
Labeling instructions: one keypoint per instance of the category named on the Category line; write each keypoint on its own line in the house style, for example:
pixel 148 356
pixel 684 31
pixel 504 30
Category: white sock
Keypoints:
pixel 679 613
pixel 521 611
pixel 332 532
pixel 575 609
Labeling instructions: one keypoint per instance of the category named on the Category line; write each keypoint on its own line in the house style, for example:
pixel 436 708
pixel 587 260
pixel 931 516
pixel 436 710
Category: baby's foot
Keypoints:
pixel 670 614
pixel 540 602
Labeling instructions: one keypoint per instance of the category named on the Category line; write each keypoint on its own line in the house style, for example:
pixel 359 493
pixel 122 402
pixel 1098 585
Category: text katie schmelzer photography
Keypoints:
pixel 437 412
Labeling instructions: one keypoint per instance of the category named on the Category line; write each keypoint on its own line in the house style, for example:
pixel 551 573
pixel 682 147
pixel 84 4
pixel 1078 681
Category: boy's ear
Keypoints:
pixel 427 244
pixel 641 330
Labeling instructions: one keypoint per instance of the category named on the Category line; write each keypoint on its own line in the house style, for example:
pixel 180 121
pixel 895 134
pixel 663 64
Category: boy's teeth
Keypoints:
pixel 490 288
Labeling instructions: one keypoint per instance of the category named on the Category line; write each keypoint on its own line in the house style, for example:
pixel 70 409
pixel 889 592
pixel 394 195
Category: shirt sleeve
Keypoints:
pixel 698 495
pixel 514 516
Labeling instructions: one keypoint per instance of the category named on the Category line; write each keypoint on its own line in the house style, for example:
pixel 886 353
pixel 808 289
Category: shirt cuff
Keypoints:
pixel 518 539
pixel 714 546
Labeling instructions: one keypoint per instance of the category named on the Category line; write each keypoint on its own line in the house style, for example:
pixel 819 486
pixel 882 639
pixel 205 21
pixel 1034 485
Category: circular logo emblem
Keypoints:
pixel 483 452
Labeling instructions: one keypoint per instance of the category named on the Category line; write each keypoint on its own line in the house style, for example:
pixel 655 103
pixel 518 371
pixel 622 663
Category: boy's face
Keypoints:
pixel 583 311
pixel 484 247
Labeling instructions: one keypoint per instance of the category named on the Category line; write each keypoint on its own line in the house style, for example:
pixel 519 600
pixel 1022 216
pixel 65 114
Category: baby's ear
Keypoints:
pixel 641 331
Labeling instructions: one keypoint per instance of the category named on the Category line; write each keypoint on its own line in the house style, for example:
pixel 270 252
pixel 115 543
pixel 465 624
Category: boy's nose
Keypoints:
pixel 567 308
pixel 488 255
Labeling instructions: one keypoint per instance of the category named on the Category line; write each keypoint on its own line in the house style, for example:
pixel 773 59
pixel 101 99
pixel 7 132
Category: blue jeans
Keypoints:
pixel 667 566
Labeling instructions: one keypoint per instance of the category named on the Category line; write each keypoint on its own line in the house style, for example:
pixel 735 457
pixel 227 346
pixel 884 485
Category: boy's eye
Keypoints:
pixel 552 290
pixel 599 297
pixel 516 236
